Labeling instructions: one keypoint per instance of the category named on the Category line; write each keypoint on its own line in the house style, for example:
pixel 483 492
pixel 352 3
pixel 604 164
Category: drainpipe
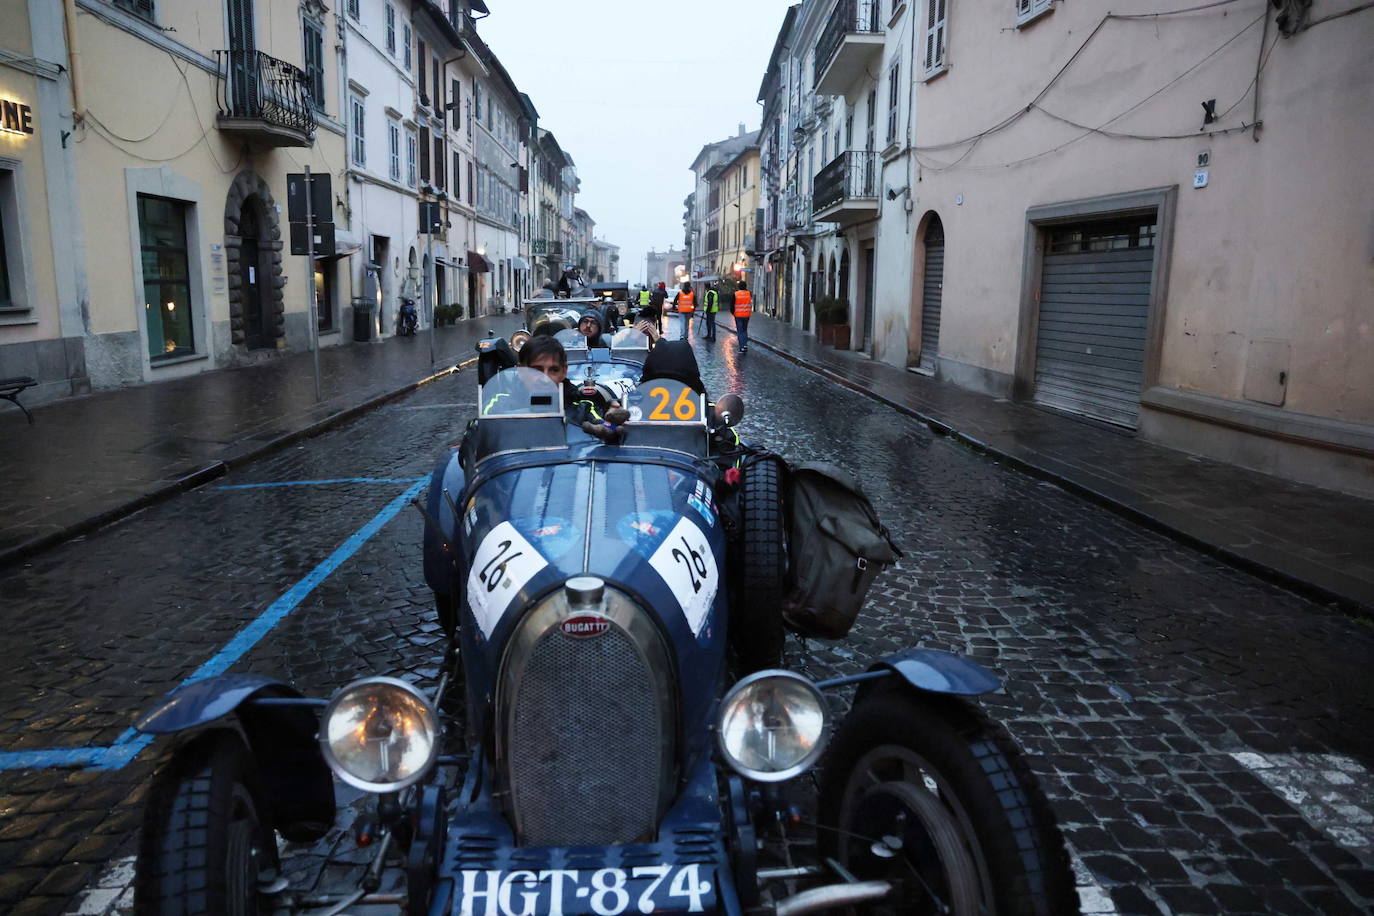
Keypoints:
pixel 73 61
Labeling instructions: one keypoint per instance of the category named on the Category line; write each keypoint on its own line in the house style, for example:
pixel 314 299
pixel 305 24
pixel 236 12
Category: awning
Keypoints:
pixel 478 263
pixel 445 262
pixel 519 263
pixel 345 243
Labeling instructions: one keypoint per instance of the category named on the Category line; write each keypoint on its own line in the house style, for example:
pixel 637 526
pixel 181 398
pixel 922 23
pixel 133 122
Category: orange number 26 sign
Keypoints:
pixel 665 401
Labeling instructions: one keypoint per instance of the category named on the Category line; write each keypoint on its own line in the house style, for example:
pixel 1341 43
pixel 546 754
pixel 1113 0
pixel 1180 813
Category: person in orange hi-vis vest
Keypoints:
pixel 744 308
pixel 686 302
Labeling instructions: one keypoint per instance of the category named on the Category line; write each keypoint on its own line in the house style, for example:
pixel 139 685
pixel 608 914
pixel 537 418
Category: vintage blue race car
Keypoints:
pixel 629 743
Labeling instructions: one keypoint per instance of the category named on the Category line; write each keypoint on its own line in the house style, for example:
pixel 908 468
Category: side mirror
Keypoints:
pixel 519 339
pixel 730 409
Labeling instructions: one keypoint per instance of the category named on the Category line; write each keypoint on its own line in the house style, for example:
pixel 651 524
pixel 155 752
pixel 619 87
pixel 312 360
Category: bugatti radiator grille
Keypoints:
pixel 587 730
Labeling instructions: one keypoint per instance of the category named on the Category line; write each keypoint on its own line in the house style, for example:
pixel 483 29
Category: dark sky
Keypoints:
pixel 633 90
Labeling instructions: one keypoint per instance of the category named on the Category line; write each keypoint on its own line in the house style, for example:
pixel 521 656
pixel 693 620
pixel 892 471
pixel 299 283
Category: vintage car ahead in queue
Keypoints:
pixel 615 302
pixel 626 741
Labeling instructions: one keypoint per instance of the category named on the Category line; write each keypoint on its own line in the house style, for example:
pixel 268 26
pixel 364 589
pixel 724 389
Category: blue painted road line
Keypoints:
pixel 311 483
pixel 130 744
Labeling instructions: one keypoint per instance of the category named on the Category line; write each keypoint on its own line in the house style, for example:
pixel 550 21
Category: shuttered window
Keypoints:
pixel 143 9
pixel 394 143
pixel 894 94
pixel 420 75
pixel 424 154
pixel 356 127
pixel 937 28
pixel 1026 10
pixel 313 36
pixel 412 157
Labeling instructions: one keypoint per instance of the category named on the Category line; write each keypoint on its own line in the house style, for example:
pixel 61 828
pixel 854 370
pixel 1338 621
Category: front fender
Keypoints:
pixel 439 566
pixel 939 672
pixel 290 766
pixel 201 702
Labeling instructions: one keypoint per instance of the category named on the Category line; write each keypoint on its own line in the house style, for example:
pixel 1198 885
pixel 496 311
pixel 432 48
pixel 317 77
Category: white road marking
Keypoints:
pixel 1093 899
pixel 110 893
pixel 1334 794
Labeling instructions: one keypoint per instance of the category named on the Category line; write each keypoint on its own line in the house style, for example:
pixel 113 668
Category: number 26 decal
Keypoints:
pixel 684 408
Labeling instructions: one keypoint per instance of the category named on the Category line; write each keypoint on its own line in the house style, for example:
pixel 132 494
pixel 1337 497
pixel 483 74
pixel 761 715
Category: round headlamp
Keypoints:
pixel 773 725
pixel 379 734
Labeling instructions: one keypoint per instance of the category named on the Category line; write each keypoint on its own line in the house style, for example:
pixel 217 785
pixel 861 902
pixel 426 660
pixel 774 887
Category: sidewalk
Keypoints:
pixel 88 461
pixel 1315 541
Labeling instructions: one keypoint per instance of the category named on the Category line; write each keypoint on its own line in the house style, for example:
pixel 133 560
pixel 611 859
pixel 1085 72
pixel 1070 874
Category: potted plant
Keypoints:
pixel 825 329
pixel 832 321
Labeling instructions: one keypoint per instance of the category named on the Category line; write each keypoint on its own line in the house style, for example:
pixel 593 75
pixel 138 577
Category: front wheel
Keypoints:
pixel 926 792
pixel 205 847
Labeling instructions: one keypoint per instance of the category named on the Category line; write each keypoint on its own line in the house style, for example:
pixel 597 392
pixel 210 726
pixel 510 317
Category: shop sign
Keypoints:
pixel 15 117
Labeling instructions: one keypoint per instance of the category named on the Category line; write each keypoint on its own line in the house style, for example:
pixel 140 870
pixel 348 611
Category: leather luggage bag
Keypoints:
pixel 837 546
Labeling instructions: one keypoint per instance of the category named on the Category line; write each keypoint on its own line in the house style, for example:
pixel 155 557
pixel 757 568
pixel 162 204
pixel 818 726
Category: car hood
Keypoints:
pixel 649 528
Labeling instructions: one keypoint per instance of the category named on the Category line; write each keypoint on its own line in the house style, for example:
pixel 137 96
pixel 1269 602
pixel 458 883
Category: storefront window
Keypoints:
pixel 166 277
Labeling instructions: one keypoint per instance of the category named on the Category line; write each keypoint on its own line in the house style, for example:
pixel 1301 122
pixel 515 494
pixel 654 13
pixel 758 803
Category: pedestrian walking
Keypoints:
pixel 658 298
pixel 685 300
pixel 743 309
pixel 709 306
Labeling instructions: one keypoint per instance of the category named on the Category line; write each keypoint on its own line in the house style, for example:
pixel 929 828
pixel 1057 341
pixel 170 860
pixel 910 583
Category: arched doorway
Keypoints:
pixel 932 291
pixel 253 251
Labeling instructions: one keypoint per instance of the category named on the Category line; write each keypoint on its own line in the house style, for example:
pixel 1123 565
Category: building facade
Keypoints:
pixel 1093 241
pixel 605 263
pixel 171 137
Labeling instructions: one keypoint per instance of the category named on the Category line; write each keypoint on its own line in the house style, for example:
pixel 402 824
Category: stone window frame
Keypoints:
pixel 163 182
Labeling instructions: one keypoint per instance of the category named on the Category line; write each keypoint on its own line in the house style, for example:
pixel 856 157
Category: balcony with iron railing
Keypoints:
pixel 846 190
pixel 850 43
pixel 798 213
pixel 264 100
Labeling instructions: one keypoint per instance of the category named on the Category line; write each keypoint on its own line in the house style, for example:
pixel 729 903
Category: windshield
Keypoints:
pixel 630 339
pixel 521 392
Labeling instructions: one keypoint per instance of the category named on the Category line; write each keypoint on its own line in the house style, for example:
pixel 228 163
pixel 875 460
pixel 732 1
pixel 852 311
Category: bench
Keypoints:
pixel 10 389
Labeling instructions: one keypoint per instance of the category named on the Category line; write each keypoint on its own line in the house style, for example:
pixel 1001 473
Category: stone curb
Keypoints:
pixel 214 470
pixel 1239 559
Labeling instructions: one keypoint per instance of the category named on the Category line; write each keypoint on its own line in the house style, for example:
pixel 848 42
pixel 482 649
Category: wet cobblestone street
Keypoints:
pixel 1205 737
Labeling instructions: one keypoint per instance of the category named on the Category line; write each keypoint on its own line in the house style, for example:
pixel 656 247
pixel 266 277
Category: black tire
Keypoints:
pixel 204 844
pixel 756 631
pixel 976 828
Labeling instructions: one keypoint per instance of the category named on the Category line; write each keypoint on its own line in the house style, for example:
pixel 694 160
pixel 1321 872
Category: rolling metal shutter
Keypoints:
pixel 1094 305
pixel 934 283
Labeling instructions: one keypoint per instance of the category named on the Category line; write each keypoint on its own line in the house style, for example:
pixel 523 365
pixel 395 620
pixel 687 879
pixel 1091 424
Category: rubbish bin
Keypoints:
pixel 364 319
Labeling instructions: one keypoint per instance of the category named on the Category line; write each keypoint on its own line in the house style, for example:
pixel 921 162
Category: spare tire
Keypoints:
pixel 756 630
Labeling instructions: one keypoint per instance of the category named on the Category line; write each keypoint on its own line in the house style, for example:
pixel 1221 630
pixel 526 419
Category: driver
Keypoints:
pixel 589 325
pixel 547 355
